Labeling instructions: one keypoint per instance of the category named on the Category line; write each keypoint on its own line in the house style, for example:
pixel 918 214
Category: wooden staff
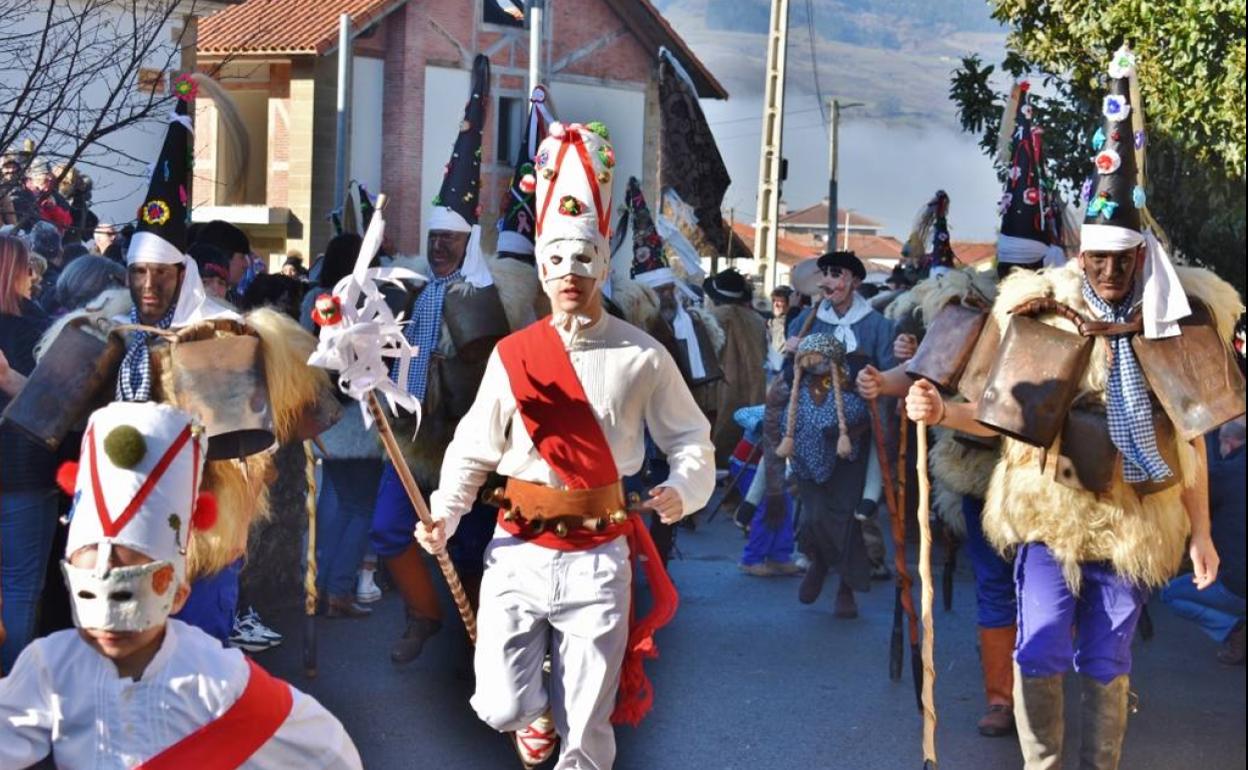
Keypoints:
pixel 904 600
pixel 927 596
pixel 310 598
pixel 418 502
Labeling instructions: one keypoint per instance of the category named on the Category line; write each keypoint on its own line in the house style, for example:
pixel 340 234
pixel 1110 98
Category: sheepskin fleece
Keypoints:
pixel 294 387
pixel 1143 537
pixel 964 469
pixel 100 312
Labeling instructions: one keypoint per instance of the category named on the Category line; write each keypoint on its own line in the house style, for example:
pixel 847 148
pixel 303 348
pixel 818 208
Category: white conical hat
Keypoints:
pixel 138 482
pixel 574 171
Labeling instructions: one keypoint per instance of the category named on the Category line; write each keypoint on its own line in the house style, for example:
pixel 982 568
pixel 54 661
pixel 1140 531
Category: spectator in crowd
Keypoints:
pixel 293 266
pixel 1219 609
pixel 338 262
pixel 84 279
pixel 51 206
pixel 234 244
pixel 280 292
pixel 782 312
pixel 103 237
pixel 214 269
pixel 45 240
pixel 38 269
pixel 28 495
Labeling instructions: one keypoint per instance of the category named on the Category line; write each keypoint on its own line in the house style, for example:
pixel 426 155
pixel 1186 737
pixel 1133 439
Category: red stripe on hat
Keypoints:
pixel 113 527
pixel 604 223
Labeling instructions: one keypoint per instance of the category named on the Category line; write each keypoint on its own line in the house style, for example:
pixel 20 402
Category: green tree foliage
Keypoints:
pixel 1191 69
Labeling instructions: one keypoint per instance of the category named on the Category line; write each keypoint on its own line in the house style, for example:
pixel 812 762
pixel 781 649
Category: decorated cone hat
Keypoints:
pixel 136 485
pixel 649 262
pixel 574 171
pixel 516 228
pixel 457 206
pixel 1024 236
pixel 1116 216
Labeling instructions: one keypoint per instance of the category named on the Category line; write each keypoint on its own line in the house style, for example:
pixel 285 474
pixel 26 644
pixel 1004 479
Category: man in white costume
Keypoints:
pixel 130 687
pixel 561 412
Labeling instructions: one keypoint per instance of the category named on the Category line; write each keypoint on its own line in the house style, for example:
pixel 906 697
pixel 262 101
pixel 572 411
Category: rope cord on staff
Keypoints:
pixel 310 593
pixel 926 594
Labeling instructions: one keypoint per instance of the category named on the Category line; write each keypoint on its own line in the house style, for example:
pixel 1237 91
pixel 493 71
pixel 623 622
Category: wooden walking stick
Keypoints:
pixel 418 502
pixel 895 651
pixel 927 596
pixel 310 597
pixel 904 600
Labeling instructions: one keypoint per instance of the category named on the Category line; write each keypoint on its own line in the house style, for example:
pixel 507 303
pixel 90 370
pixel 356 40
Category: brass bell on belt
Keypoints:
pixel 619 516
pixel 595 523
pixel 509 515
pixel 561 528
pixel 537 525
pixel 495 496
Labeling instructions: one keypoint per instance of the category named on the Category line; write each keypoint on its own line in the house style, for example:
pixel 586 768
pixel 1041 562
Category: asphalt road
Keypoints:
pixel 750 678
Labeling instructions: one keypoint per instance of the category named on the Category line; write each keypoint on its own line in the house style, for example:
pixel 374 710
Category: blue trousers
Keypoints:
pixel 1056 628
pixel 766 544
pixel 213 602
pixel 1216 609
pixel 27 526
pixel 995 605
pixel 344 512
pixel 394 525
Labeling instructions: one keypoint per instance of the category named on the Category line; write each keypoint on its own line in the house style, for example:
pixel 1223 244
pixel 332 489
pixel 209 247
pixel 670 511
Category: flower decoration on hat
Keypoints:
pixel 1098 139
pixel 1103 205
pixel 606 155
pixel 185 87
pixel 1108 161
pixel 1032 196
pixel 599 128
pixel 1138 197
pixel 1115 107
pixel 570 206
pixel 155 212
pixel 1140 139
pixel 528 182
pixel 1003 205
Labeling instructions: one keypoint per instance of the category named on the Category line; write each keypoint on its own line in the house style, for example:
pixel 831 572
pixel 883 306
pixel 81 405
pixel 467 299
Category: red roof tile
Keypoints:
pixel 285 26
pixel 974 252
pixel 817 215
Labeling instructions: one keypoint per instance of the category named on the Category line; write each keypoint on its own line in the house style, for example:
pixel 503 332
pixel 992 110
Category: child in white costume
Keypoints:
pixel 130 688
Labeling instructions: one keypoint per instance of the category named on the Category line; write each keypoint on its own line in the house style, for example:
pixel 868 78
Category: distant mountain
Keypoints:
pixel 893 55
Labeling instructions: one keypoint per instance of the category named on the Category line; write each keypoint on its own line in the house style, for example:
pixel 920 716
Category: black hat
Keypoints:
pixel 225 236
pixel 1113 196
pixel 846 260
pixel 728 287
pixel 212 261
pixel 782 291
pixel 461 186
pixel 516 228
pixel 164 213
pixel 1023 205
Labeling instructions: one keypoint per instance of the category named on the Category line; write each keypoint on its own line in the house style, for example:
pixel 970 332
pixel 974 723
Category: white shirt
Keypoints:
pixel 632 385
pixel 65 698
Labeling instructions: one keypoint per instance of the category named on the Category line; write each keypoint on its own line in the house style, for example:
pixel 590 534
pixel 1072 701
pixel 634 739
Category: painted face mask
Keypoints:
pixel 121 598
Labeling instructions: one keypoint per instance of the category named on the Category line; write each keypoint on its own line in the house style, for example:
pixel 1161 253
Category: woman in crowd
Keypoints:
pixel 28 495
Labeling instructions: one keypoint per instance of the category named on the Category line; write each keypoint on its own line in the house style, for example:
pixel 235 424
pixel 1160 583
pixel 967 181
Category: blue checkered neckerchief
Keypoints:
pixel 422 332
pixel 1129 409
pixel 134 382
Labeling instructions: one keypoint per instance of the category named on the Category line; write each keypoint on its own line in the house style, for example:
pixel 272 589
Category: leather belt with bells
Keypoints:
pixel 541 508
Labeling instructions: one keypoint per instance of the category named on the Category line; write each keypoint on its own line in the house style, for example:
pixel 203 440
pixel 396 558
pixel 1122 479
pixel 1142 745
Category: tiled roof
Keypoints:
pixel 817 215
pixel 285 26
pixel 789 251
pixel 974 252
pixel 862 244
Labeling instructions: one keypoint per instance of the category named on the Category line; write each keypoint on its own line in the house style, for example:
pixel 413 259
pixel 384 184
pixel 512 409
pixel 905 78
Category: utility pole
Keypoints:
pixel 535 42
pixel 834 127
pixel 344 111
pixel 770 156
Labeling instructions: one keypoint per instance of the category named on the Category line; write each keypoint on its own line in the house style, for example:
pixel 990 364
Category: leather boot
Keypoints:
pixel 996 651
pixel 812 584
pixel 1103 714
pixel 1038 718
pixel 424 615
pixel 845 608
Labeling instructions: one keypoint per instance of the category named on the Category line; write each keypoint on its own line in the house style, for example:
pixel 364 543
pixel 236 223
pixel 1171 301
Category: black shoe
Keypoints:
pixel 812 583
pixel 865 510
pixel 413 640
pixel 846 608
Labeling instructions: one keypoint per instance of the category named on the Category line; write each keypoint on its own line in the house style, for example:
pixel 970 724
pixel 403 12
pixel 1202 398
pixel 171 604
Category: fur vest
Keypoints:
pixel 1142 536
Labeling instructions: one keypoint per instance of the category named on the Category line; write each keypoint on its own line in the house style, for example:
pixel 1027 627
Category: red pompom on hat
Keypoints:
pixel 205 516
pixel 67 477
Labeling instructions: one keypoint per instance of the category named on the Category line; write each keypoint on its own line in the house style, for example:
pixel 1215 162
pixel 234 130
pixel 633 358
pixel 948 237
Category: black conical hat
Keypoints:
pixel 461 187
pixel 1024 189
pixel 516 229
pixel 1113 196
pixel 164 211
pixel 942 245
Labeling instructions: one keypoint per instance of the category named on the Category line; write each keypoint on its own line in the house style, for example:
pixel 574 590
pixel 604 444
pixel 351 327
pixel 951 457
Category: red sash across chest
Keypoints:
pixel 231 739
pixel 565 432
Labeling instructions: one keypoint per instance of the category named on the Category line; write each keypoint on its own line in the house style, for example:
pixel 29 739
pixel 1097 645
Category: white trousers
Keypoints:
pixel 572 604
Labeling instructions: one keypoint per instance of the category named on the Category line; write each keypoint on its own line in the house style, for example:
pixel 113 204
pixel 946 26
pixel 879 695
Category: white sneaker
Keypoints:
pixel 366 589
pixel 251 634
pixel 535 743
pixel 801 561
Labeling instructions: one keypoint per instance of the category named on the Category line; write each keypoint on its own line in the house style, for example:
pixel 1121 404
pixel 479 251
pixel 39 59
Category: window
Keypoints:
pixel 505 13
pixel 511 114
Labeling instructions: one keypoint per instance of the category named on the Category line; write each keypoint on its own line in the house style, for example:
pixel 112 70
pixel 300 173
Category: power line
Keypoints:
pixel 814 57
pixel 760 117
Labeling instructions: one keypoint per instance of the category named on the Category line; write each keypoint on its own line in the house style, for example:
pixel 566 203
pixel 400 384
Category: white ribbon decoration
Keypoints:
pixel 361 345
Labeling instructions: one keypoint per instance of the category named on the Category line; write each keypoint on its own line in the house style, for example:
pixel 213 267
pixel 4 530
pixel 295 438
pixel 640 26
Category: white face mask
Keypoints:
pixel 122 599
pixel 571 256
